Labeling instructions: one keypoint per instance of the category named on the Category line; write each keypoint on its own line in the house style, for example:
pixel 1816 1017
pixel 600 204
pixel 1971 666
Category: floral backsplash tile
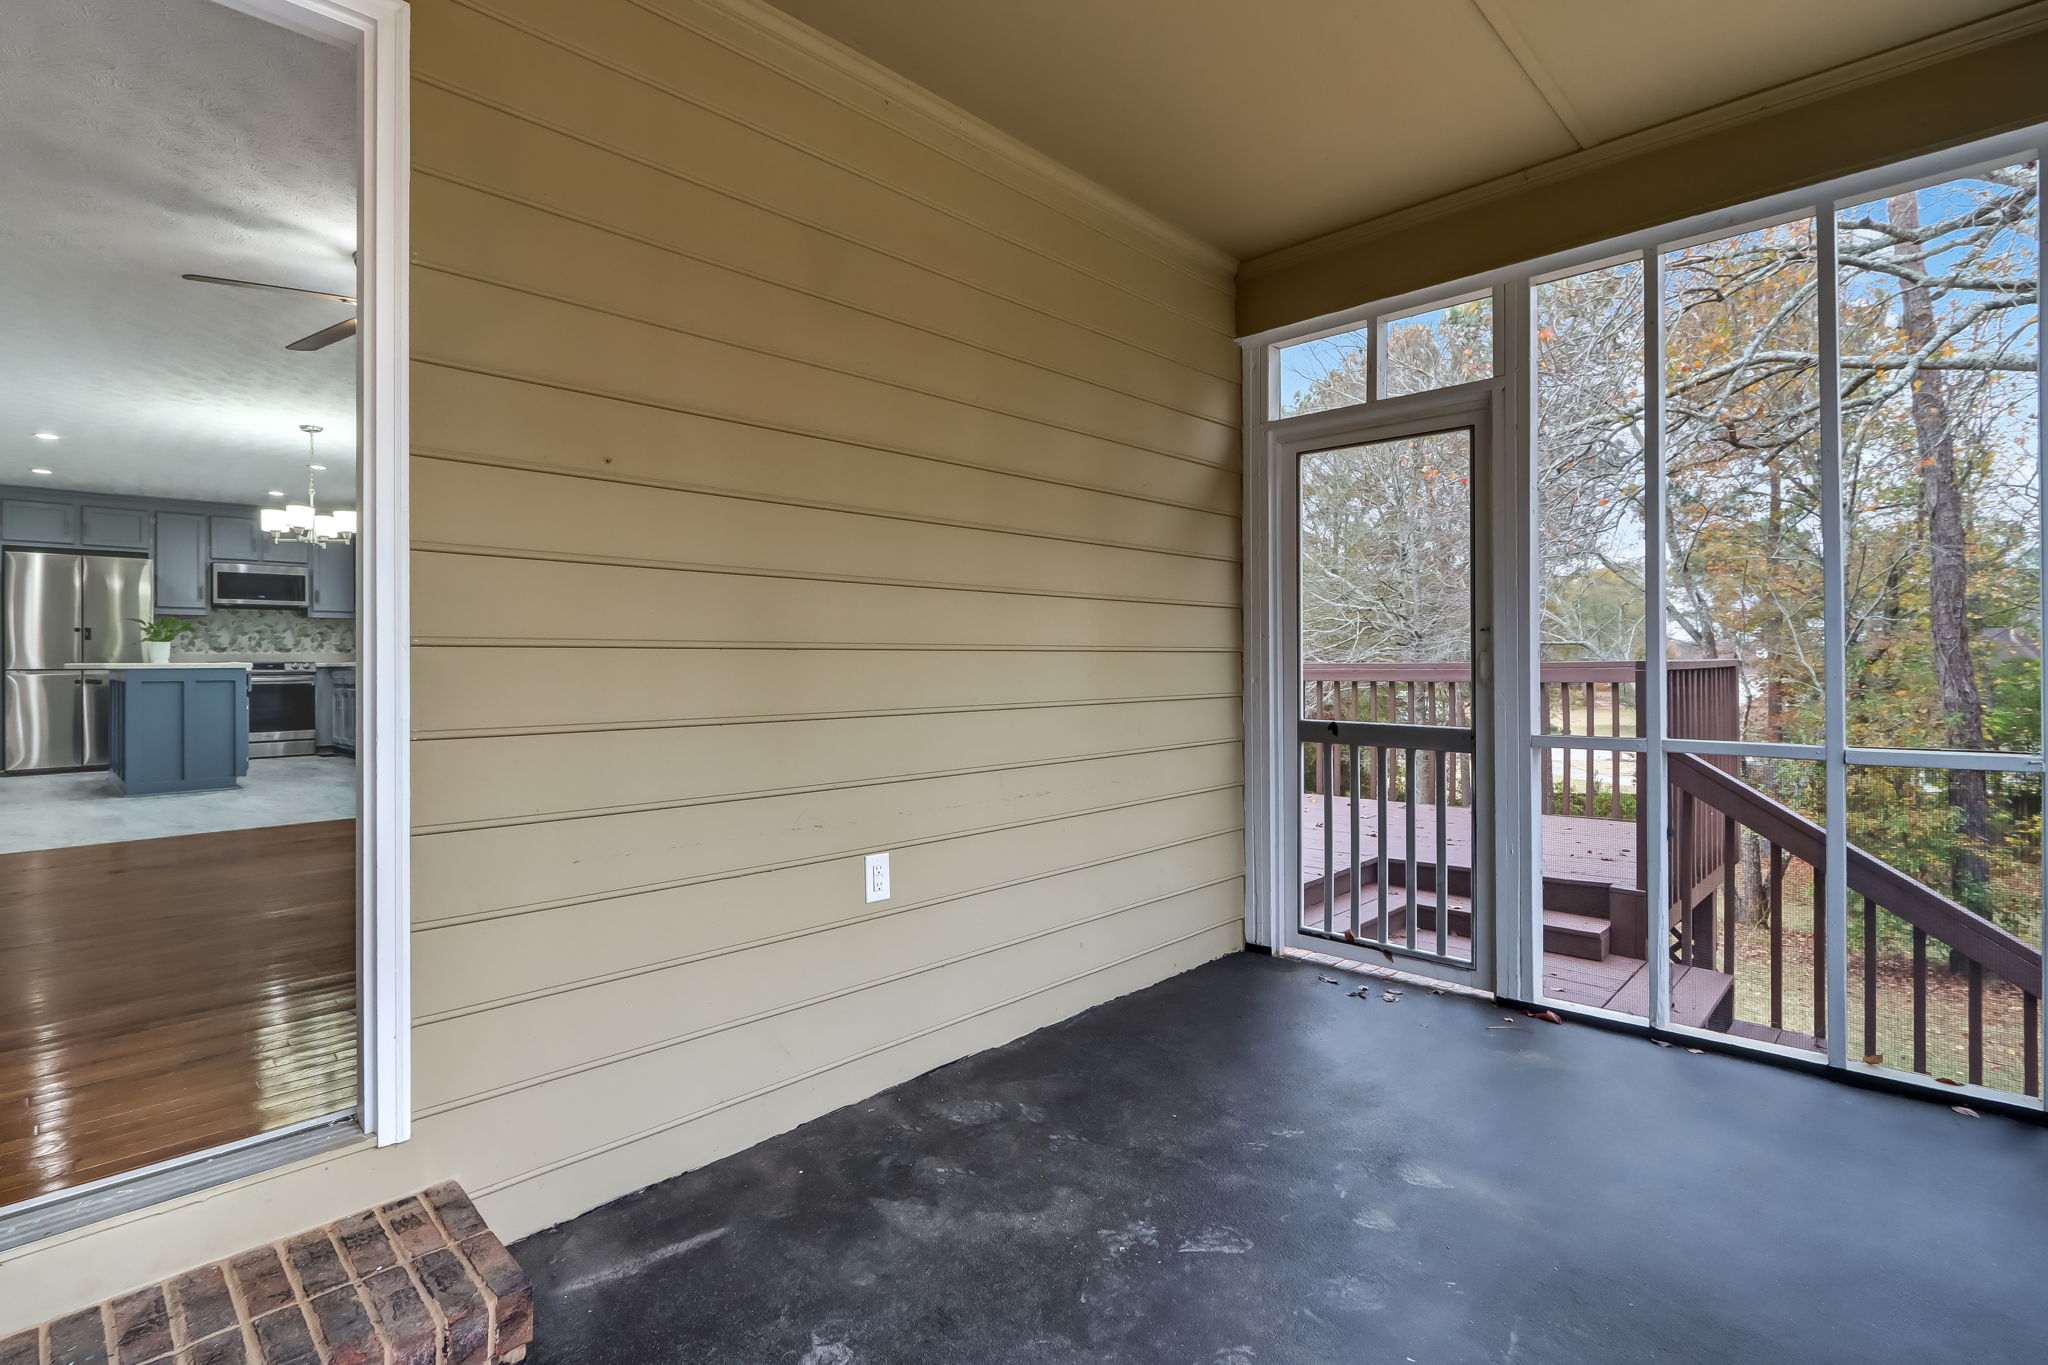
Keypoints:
pixel 243 631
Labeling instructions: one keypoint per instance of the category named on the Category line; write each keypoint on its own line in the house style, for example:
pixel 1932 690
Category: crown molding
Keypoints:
pixel 1898 61
pixel 1030 170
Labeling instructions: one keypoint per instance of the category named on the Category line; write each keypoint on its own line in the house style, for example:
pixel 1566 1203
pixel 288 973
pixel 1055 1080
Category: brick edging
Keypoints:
pixel 419 1281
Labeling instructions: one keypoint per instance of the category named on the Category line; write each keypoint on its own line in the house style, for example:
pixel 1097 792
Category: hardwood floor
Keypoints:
pixel 162 996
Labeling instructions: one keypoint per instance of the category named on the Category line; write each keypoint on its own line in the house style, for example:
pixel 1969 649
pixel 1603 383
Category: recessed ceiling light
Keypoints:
pixel 316 466
pixel 275 493
pixel 46 436
pixel 39 471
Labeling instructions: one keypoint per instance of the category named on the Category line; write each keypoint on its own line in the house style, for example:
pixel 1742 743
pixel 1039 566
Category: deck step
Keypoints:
pixel 1571 935
pixel 1581 936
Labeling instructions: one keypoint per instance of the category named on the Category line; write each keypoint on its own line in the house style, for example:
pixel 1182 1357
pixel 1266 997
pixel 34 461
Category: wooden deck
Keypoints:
pixel 1585 853
pixel 1574 847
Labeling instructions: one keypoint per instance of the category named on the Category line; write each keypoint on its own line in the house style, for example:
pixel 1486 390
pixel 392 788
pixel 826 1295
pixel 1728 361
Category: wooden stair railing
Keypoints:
pixel 1984 946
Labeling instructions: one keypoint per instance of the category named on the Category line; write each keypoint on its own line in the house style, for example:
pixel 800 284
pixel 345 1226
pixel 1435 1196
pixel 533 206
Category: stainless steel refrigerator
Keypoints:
pixel 58 610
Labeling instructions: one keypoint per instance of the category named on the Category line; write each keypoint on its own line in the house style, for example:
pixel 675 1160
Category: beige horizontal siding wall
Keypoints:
pixel 797 474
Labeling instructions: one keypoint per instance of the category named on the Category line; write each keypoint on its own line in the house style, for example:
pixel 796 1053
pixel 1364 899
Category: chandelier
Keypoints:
pixel 300 521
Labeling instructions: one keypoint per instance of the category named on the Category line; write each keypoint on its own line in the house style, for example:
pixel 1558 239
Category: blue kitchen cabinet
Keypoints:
pixel 28 522
pixel 181 558
pixel 115 528
pixel 334 707
pixel 177 728
pixel 244 541
pixel 332 581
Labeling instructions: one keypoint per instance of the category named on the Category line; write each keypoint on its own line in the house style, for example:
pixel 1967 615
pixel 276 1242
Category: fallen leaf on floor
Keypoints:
pixel 1943 1080
pixel 1436 992
pixel 1873 1059
pixel 1697 1052
pixel 1965 1110
pixel 1391 998
pixel 1331 979
pixel 1350 937
pixel 1547 1016
pixel 1660 1042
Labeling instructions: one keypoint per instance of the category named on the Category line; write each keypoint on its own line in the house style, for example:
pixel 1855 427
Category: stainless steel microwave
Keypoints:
pixel 258 585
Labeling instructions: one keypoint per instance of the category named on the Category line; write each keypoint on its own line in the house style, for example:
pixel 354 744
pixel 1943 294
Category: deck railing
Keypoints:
pixel 1591 697
pixel 1999 970
pixel 1936 940
pixel 1387 876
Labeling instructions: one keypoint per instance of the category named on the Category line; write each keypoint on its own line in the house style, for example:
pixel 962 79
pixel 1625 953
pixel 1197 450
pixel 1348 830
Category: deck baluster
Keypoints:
pixel 1870 1047
pixel 1777 913
pixel 1731 861
pixel 1462 791
pixel 1687 919
pixel 1431 760
pixel 1322 705
pixel 1614 728
pixel 1443 870
pixel 1976 977
pixel 1564 696
pixel 1920 1000
pixel 1549 803
pixel 1357 852
pixel 2030 1047
pixel 1820 954
pixel 1330 835
pixel 1592 755
pixel 1380 835
pixel 1372 707
pixel 1408 808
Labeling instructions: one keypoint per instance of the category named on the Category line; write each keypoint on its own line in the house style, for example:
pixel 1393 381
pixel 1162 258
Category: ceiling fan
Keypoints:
pixel 326 336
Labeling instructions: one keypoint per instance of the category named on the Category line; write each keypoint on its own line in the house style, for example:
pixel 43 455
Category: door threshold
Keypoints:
pixel 62 1211
pixel 1374 969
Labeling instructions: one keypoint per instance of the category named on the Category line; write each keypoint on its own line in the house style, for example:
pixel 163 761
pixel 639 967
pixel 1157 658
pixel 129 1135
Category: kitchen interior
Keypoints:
pixel 83 577
pixel 178 605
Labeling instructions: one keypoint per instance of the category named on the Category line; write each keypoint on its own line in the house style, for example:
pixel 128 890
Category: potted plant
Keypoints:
pixel 157 636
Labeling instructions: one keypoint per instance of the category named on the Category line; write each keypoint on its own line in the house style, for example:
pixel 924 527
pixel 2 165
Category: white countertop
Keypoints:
pixel 176 663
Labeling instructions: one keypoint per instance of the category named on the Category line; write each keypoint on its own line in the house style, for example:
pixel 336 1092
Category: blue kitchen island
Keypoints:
pixel 178 727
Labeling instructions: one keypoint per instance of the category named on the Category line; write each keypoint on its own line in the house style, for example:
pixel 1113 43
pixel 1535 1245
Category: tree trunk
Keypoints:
pixel 1773 629
pixel 1941 506
pixel 1751 905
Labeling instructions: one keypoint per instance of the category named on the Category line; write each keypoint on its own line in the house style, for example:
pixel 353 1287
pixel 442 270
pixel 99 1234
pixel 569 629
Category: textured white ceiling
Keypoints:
pixel 141 140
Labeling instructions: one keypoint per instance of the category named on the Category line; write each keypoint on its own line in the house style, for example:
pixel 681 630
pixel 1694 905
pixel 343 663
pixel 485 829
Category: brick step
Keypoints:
pixel 1569 935
pixel 421 1281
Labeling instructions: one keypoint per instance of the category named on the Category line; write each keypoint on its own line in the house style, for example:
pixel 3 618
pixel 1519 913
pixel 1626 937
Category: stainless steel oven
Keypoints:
pixel 281 709
pixel 258 585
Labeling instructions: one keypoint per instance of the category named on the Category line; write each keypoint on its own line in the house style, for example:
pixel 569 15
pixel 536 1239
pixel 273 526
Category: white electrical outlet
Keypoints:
pixel 877 869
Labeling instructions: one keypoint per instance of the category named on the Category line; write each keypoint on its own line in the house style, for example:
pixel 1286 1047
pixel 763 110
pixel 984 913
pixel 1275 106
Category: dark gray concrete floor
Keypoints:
pixel 1241 1166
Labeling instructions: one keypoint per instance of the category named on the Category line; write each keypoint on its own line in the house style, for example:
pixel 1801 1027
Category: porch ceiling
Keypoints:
pixel 1253 127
